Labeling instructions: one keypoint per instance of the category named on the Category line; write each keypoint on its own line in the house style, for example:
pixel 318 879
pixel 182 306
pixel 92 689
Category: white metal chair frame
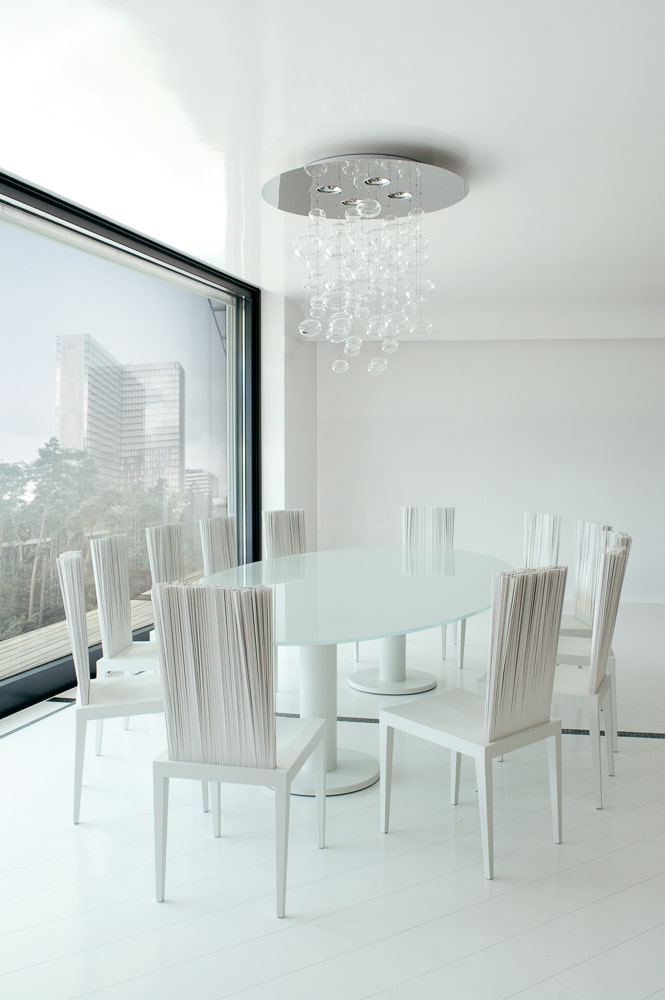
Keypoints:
pixel 166 552
pixel 216 653
pixel 542 533
pixel 526 614
pixel 586 669
pixel 102 697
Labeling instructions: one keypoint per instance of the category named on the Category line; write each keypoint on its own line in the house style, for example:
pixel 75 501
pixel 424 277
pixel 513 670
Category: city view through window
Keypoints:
pixel 114 417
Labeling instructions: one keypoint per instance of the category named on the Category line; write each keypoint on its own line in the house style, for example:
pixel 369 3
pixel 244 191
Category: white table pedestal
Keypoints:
pixel 391 676
pixel 347 770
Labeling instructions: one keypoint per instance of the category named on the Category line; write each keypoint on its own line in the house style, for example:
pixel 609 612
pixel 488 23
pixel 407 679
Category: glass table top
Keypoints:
pixel 346 595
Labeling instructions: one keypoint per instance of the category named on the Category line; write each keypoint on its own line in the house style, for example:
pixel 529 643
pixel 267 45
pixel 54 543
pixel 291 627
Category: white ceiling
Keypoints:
pixel 170 116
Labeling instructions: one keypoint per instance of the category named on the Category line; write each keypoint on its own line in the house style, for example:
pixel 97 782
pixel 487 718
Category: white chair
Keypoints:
pixel 103 697
pixel 432 530
pixel 541 539
pixel 166 553
pixel 591 541
pixel 110 567
pixel 283 533
pixel 585 677
pixel 526 614
pixel 218 544
pixel 216 653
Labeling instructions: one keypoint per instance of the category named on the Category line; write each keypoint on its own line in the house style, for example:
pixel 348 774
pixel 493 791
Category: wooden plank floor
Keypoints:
pixel 22 652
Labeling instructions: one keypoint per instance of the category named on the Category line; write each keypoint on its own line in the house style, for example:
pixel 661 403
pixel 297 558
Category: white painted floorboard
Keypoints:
pixel 403 915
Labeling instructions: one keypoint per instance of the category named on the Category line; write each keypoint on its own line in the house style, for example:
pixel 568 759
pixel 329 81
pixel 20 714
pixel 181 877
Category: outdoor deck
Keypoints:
pixel 32 649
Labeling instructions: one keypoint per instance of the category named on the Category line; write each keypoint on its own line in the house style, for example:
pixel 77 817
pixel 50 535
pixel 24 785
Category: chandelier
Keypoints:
pixel 363 252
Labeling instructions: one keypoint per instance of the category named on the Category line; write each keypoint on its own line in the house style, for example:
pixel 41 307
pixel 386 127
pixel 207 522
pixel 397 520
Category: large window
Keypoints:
pixel 128 397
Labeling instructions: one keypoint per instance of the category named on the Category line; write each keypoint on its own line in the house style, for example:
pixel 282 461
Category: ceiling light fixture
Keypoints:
pixel 364 250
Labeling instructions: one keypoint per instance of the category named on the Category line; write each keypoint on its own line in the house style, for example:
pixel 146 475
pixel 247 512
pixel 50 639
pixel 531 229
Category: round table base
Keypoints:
pixel 371 682
pixel 354 771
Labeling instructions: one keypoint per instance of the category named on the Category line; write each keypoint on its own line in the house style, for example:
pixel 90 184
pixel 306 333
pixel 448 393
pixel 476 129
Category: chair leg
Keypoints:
pixel 444 637
pixel 484 779
pixel 554 763
pixel 357 655
pixel 161 807
pixel 98 736
pixel 462 640
pixel 320 790
pixel 613 684
pixel 216 809
pixel 205 798
pixel 594 732
pixel 386 741
pixel 609 710
pixel 282 806
pixel 79 752
pixel 455 761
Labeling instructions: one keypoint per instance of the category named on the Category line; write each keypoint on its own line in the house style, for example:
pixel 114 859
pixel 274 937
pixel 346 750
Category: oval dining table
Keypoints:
pixel 329 597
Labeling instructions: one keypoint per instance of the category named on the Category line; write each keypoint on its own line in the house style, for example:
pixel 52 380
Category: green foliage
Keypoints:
pixel 56 503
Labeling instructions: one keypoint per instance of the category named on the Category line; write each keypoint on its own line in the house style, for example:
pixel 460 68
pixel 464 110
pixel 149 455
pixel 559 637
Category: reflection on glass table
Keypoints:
pixel 343 595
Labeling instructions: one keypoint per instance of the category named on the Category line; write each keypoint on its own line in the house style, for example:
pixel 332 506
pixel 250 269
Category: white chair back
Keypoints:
pixel 110 567
pixel 216 659
pixel 612 572
pixel 218 543
pixel 283 533
pixel 541 540
pixel 166 553
pixel 526 616
pixel 70 575
pixel 428 535
pixel 592 540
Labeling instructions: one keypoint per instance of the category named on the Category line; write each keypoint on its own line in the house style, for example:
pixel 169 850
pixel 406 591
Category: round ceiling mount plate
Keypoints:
pixel 430 187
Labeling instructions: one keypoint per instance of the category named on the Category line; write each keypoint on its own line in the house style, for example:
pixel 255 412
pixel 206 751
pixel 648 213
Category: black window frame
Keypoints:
pixel 50 679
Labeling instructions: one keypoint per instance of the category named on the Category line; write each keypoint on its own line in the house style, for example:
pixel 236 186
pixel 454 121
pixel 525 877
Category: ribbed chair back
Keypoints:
pixel 541 540
pixel 166 553
pixel 110 567
pixel 70 575
pixel 216 660
pixel 219 544
pixel 526 616
pixel 428 537
pixel 612 572
pixel 592 540
pixel 283 533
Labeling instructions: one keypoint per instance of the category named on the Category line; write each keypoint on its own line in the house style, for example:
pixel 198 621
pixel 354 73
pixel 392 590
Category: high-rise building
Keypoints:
pixel 89 403
pixel 130 419
pixel 154 422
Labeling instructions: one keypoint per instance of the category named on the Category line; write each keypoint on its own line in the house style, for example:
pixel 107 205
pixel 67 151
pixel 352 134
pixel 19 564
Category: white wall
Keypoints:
pixel 497 428
pixel 288 414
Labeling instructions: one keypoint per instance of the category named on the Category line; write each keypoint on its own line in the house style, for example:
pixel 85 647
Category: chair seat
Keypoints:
pixel 571 625
pixel 459 714
pixel 124 690
pixel 292 736
pixel 570 680
pixel 132 659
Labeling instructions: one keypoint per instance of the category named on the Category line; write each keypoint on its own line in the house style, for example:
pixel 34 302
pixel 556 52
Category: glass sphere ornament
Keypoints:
pixel 335 301
pixel 310 328
pixel 316 215
pixel 390 345
pixel 376 327
pixel 316 170
pixel 307 246
pixel 369 208
pixel 352 346
pixel 340 366
pixel 317 306
pixel 377 366
pixel 341 322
